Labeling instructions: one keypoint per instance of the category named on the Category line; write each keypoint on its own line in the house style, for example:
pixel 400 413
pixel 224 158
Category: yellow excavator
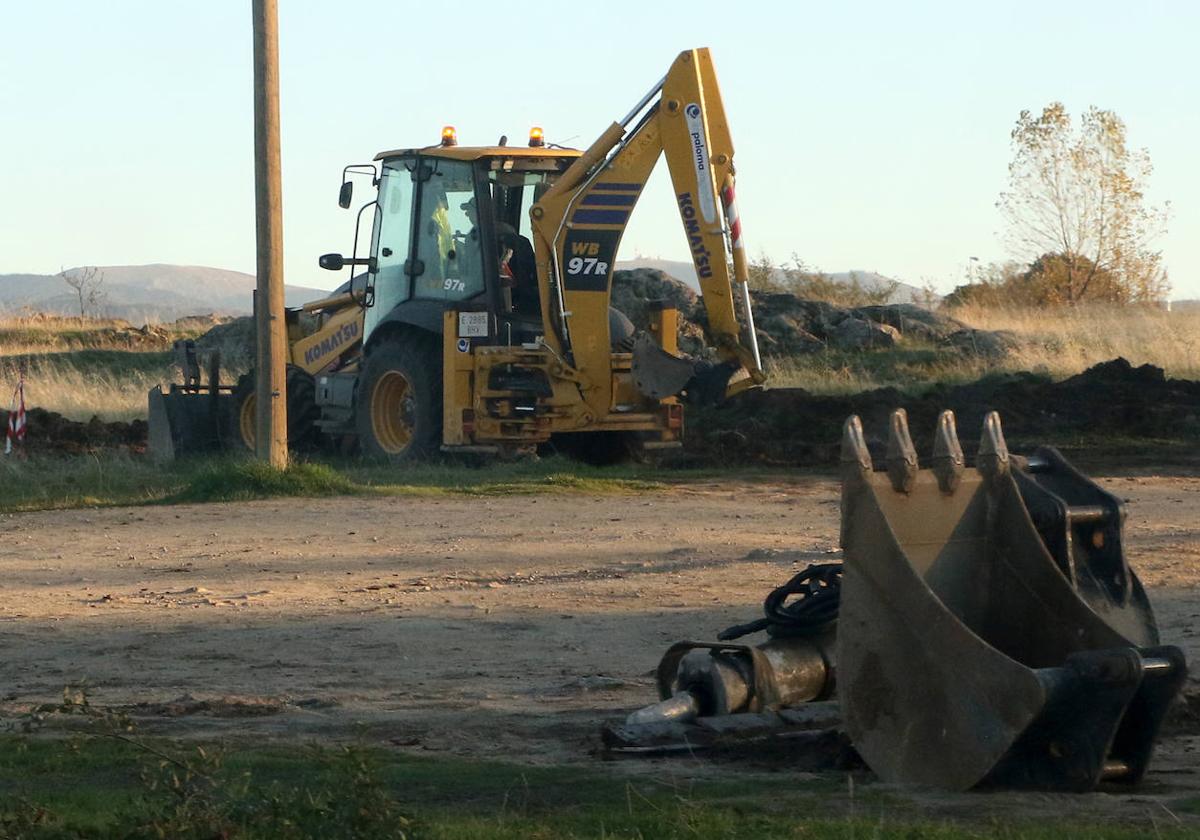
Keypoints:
pixel 482 321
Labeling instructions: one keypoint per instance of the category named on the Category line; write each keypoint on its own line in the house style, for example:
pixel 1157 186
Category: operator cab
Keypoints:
pixel 452 230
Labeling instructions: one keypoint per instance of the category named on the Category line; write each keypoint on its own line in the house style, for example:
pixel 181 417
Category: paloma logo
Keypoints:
pixel 704 181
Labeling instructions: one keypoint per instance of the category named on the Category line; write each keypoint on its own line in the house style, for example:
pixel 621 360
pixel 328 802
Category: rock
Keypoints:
pixel 912 320
pixel 788 325
pixel 783 335
pixel 986 343
pixel 633 291
pixel 861 334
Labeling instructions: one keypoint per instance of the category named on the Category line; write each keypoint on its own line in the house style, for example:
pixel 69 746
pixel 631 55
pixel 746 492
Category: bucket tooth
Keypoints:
pixel 856 458
pixel 948 460
pixel 901 454
pixel 993 451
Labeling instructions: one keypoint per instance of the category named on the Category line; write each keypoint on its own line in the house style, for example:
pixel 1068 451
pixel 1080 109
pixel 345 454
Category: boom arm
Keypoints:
pixel 579 222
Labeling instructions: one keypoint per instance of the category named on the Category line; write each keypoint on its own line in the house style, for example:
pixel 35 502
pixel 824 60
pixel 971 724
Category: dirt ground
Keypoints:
pixel 505 628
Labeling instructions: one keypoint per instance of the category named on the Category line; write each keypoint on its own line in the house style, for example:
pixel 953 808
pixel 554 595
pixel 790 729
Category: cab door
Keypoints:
pixel 391 241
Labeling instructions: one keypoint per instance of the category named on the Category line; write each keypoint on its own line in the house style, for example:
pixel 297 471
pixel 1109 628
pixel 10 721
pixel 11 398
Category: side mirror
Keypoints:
pixel 345 194
pixel 333 262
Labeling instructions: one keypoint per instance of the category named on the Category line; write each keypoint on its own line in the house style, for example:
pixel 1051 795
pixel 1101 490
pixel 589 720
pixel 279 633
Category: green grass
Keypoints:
pixel 100 787
pixel 235 481
pixel 114 363
pixel 48 483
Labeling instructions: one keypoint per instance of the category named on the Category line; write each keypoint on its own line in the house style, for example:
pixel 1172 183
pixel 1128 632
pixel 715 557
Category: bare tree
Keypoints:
pixel 88 285
pixel 1079 196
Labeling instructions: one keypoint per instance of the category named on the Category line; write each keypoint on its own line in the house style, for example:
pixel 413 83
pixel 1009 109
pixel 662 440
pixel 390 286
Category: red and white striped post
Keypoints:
pixel 740 272
pixel 16 416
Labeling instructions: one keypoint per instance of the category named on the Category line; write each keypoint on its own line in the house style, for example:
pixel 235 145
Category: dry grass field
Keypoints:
pixel 1067 340
pixel 1057 342
pixel 84 367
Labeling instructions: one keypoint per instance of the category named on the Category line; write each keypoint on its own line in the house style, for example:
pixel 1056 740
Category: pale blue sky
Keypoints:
pixel 869 135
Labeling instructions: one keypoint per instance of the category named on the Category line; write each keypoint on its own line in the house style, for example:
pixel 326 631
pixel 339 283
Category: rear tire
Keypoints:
pixel 302 412
pixel 398 408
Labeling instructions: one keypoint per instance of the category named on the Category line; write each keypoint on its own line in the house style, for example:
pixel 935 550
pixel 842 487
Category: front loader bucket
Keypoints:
pixel 974 648
pixel 185 422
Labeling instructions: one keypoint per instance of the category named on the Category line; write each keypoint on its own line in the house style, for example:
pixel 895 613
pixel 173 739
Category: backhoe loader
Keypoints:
pixel 482 321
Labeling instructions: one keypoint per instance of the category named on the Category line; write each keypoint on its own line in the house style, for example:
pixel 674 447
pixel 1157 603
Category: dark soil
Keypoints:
pixel 50 432
pixel 1111 401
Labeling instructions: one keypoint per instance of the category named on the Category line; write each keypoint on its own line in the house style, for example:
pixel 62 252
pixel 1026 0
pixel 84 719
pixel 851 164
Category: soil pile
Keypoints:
pixel 1113 399
pixel 50 432
pixel 234 338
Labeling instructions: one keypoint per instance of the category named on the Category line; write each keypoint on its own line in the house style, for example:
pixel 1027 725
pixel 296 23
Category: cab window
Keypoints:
pixel 449 243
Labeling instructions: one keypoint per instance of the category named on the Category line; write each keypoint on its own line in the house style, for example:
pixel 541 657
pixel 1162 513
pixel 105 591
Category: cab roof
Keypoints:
pixel 478 152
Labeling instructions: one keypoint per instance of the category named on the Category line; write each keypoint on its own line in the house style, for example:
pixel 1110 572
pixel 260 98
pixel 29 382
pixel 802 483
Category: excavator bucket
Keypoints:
pixel 990 630
pixel 188 418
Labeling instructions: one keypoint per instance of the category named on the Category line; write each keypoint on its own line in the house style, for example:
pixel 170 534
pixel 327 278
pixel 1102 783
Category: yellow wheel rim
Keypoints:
pixel 391 412
pixel 248 421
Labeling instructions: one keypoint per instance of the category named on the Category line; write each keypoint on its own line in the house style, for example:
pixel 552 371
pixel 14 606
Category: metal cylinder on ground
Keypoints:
pixel 714 680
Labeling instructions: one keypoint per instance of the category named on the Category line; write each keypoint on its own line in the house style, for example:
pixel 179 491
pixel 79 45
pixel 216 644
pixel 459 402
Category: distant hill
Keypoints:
pixel 146 293
pixel 685 271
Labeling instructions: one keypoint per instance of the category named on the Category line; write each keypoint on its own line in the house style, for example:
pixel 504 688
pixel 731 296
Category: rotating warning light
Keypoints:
pixel 537 137
pixel 449 136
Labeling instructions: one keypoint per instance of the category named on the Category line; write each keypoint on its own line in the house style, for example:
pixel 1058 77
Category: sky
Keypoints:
pixel 869 135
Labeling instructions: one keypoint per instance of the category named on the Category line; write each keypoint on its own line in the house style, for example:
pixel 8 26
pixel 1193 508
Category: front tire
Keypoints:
pixel 398 409
pixel 302 412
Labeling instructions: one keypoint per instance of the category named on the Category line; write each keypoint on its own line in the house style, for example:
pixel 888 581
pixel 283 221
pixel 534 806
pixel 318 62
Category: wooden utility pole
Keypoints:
pixel 270 387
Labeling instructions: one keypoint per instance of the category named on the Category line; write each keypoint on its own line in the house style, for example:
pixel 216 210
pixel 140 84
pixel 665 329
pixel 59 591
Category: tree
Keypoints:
pixel 996 284
pixel 1078 196
pixel 88 285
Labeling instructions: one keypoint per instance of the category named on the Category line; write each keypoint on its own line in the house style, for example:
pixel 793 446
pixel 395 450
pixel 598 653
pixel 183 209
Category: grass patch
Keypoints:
pixel 103 787
pixel 236 481
pixel 108 479
pixel 52 483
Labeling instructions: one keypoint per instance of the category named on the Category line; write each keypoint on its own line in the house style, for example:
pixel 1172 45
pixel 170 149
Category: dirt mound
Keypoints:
pixel 235 338
pixel 1113 399
pixel 49 432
